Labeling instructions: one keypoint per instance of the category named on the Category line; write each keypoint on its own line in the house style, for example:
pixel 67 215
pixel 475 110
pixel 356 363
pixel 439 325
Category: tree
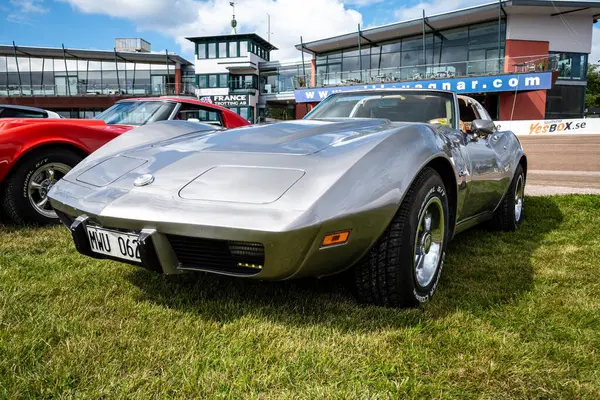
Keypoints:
pixel 592 95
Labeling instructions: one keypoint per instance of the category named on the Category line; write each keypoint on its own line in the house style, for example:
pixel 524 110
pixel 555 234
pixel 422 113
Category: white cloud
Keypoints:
pixel 362 3
pixel 313 19
pixel 30 6
pixel 434 7
pixel 20 10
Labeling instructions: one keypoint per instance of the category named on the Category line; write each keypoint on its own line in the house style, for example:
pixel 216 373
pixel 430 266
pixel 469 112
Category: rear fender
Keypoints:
pixel 18 142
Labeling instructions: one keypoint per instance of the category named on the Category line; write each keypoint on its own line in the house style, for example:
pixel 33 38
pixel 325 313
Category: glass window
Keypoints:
pixel 23 64
pixel 202 81
pixel 336 55
pixel 565 102
pixel 222 80
pixel 233 49
pixel 351 64
pixel 212 81
pixel 391 47
pixel 201 51
pixel 413 43
pixel 243 112
pixel 137 112
pixel 18 113
pixel 390 60
pixel 243 49
pixel 410 107
pixel 212 50
pixel 223 50
pixel 569 65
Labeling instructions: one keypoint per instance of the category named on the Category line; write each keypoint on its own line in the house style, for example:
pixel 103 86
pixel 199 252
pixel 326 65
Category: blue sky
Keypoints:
pixel 165 23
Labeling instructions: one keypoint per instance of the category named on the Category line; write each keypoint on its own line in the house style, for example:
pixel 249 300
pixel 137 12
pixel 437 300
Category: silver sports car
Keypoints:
pixel 377 180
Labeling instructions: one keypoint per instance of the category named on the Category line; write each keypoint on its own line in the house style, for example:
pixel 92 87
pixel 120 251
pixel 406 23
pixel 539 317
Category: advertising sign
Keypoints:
pixel 229 100
pixel 551 126
pixel 479 84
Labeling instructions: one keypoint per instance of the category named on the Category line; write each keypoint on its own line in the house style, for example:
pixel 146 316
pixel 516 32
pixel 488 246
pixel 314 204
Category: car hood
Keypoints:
pixel 302 137
pixel 254 164
pixel 11 123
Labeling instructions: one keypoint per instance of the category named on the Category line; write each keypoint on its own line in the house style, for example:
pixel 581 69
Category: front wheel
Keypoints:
pixel 25 198
pixel 403 268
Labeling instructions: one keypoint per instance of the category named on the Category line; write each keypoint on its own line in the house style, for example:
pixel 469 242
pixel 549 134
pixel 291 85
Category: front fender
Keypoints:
pixel 369 194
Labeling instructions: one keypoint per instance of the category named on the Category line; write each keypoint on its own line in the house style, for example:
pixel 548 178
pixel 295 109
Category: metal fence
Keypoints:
pixel 103 90
pixel 536 63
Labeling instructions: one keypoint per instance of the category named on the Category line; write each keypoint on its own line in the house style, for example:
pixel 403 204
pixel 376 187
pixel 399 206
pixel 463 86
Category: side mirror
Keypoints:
pixel 483 127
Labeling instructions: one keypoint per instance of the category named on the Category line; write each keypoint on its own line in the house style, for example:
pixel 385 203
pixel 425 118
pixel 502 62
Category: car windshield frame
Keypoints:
pixel 123 113
pixel 360 98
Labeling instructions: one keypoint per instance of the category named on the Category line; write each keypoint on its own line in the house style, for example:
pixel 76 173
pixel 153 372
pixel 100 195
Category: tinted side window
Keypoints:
pixel 202 114
pixel 16 113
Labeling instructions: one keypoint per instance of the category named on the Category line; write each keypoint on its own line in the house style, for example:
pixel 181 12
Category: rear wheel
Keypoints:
pixel 25 197
pixel 509 214
pixel 404 266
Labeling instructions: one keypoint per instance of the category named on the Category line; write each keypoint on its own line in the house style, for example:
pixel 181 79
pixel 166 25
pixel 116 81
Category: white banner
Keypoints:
pixel 551 126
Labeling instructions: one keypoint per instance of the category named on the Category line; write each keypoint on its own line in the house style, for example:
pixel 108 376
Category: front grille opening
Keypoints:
pixel 243 258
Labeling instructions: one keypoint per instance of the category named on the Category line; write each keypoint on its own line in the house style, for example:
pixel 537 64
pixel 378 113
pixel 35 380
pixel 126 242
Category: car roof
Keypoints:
pixel 178 99
pixel 376 90
pixel 25 108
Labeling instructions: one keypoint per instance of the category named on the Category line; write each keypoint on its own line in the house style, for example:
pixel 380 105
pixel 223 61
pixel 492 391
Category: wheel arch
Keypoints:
pixel 24 155
pixel 523 163
pixel 445 169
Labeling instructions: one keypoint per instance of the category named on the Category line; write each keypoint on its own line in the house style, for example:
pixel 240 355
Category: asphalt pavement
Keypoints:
pixel 562 164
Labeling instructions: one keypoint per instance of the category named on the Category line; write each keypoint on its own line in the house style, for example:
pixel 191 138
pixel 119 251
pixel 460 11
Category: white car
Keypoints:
pixel 10 111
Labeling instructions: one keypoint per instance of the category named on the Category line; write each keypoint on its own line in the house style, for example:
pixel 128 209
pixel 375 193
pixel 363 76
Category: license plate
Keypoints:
pixel 113 243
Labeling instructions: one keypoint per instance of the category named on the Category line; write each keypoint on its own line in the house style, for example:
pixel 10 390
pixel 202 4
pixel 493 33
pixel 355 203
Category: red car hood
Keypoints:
pixel 10 123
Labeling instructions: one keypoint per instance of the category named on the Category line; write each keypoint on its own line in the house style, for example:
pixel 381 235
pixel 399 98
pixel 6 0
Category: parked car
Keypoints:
pixel 10 111
pixel 36 153
pixel 376 181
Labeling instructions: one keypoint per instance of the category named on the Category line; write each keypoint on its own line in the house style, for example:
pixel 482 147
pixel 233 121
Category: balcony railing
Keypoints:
pixel 242 85
pixel 528 64
pixel 93 90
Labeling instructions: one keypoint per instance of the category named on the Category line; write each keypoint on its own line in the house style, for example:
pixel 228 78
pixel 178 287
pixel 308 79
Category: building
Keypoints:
pixel 80 83
pixel 227 70
pixel 522 59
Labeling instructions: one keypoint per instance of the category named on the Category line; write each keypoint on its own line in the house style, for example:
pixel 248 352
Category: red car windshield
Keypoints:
pixel 137 112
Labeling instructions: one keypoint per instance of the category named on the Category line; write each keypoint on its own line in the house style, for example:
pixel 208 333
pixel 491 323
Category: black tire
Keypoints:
pixel 16 202
pixel 506 218
pixel 387 275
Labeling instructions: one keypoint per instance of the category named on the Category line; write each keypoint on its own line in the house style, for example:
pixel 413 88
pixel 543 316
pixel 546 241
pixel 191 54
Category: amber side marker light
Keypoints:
pixel 335 238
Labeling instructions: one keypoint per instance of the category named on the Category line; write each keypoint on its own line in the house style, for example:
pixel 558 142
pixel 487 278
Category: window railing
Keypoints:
pixel 98 90
pixel 495 66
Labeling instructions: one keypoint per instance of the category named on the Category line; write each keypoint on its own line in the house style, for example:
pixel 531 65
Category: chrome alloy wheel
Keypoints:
pixel 41 182
pixel 519 197
pixel 429 242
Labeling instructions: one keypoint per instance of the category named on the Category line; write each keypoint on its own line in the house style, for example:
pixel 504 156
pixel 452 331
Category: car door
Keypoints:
pixel 485 173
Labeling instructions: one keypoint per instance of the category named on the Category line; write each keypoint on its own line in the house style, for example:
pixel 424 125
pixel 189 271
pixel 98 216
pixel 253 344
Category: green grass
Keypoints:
pixel 516 315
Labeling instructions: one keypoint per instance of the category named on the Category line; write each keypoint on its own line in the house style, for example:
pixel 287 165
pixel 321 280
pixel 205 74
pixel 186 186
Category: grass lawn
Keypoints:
pixel 516 315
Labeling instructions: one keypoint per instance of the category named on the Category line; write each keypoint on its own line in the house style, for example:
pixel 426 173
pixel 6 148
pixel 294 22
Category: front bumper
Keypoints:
pixel 291 239
pixel 146 245
pixel 170 253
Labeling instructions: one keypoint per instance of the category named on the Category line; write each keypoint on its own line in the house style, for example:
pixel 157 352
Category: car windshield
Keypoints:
pixel 428 107
pixel 137 112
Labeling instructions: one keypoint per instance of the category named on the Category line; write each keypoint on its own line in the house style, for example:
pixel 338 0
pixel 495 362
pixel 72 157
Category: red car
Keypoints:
pixel 35 153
